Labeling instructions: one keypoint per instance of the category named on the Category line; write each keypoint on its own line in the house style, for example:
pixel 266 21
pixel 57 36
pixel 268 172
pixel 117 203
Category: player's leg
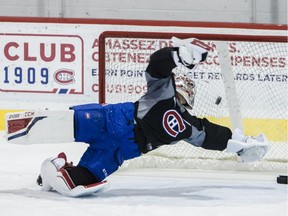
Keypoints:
pixel 83 123
pixel 101 161
pixel 89 122
pixel 92 120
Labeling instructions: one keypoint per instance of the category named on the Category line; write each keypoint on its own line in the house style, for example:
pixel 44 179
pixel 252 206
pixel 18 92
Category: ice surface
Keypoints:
pixel 142 192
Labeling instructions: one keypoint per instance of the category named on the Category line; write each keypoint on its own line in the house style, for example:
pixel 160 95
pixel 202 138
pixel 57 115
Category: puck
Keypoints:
pixel 282 179
pixel 218 100
pixel 39 180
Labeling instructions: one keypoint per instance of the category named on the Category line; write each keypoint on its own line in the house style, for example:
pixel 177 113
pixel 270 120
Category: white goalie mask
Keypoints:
pixel 185 88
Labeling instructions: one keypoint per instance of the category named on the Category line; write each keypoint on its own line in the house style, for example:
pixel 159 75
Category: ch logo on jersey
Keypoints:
pixel 173 123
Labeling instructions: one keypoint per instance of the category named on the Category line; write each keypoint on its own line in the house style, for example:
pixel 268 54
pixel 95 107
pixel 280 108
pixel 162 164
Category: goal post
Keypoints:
pixel 229 85
pixel 243 83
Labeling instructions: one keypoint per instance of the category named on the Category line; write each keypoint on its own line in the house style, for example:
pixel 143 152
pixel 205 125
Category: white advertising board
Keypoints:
pixel 55 65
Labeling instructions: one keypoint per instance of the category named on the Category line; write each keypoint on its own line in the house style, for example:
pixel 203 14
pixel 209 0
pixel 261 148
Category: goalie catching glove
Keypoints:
pixel 191 51
pixel 55 175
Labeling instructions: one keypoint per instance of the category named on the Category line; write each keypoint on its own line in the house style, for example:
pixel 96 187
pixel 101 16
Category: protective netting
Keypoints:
pixel 260 79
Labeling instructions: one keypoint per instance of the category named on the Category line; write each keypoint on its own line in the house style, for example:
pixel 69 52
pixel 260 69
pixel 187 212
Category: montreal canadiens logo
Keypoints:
pixel 64 76
pixel 173 123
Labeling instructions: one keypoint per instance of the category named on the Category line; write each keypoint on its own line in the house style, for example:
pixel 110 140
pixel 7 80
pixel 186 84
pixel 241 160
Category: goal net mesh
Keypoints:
pixel 260 77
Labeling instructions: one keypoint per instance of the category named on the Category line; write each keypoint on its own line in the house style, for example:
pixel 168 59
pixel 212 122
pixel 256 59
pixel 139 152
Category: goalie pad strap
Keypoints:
pixel 81 175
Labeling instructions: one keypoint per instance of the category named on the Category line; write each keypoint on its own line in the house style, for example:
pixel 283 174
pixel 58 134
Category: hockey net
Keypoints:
pixel 243 83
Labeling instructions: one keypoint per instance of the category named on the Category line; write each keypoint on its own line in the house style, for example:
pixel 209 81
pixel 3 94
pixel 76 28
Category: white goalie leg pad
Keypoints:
pixel 33 127
pixel 87 190
pixel 55 177
pixel 51 177
pixel 250 149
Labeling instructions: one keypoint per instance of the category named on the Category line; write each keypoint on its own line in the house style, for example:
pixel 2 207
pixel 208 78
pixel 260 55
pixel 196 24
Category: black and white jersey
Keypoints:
pixel 160 117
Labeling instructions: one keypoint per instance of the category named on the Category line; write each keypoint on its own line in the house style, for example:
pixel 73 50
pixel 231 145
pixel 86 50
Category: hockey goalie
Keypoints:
pixel 118 132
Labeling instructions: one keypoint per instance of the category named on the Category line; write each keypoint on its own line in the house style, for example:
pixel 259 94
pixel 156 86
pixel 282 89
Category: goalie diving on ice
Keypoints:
pixel 119 132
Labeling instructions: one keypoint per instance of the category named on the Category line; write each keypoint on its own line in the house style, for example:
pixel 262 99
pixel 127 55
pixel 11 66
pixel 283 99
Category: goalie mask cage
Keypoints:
pixel 243 83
